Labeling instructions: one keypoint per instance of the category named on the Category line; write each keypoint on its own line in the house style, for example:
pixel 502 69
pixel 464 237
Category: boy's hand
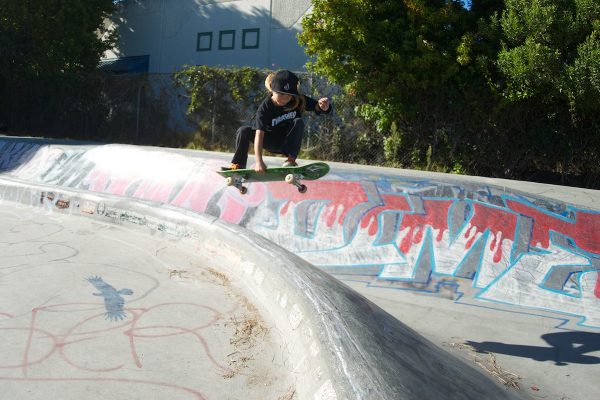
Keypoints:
pixel 260 167
pixel 324 103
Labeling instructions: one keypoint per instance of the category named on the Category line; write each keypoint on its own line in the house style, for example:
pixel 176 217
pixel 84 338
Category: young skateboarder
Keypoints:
pixel 278 126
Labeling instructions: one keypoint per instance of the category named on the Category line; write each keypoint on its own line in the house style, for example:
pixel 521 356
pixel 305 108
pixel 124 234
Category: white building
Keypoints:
pixel 160 36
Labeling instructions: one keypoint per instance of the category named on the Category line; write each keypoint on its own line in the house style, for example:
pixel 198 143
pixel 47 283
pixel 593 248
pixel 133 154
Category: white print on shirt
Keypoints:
pixel 284 117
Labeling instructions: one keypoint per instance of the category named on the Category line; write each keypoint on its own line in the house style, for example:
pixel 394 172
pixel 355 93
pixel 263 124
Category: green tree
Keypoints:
pixel 408 63
pixel 384 50
pixel 505 88
pixel 549 65
pixel 41 37
pixel 45 44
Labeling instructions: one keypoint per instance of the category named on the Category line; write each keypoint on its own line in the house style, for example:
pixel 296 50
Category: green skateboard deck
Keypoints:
pixel 291 175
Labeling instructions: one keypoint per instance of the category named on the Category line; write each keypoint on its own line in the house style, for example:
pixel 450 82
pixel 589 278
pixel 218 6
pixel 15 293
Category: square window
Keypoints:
pixel 226 40
pixel 204 42
pixel 250 38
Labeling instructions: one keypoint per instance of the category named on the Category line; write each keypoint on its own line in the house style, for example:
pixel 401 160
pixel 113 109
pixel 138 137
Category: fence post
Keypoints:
pixel 137 117
pixel 214 107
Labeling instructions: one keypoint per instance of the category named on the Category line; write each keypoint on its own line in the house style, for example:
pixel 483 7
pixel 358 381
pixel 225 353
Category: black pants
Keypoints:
pixel 282 142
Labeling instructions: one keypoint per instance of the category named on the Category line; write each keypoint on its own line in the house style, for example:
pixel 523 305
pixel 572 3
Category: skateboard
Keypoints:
pixel 291 175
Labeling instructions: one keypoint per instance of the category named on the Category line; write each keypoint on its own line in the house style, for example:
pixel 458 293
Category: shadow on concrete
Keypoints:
pixel 566 348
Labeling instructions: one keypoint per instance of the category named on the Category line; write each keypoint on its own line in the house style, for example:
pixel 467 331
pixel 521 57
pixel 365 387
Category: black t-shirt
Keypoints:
pixel 271 117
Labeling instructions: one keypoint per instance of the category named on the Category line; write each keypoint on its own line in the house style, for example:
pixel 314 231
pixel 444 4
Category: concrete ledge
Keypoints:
pixel 342 346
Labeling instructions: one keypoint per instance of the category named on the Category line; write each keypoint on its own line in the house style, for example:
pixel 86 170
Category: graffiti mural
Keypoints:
pixel 496 246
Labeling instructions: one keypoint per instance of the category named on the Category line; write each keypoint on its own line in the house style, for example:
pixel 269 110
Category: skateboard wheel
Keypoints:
pixel 289 178
pixel 302 188
pixel 243 190
pixel 229 181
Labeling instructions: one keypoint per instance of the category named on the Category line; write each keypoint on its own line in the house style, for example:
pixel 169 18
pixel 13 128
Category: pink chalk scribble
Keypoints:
pixel 79 343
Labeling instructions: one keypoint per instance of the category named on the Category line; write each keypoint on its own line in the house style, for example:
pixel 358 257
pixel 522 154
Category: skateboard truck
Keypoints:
pixel 237 182
pixel 294 180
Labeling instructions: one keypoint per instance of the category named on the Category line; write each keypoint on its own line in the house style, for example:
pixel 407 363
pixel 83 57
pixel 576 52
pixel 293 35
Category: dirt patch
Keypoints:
pixel 219 277
pixel 289 395
pixel 488 364
pixel 249 330
pixel 249 334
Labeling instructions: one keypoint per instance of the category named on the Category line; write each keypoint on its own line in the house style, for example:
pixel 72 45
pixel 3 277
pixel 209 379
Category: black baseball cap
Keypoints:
pixel 285 82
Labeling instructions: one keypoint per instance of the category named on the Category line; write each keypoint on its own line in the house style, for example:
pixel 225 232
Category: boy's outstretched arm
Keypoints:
pixel 260 166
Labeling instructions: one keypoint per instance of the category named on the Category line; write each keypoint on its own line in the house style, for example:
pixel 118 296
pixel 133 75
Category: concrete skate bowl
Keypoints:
pixel 473 240
pixel 340 345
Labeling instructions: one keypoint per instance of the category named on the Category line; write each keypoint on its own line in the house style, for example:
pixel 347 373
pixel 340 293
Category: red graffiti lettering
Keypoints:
pixel 584 230
pixel 336 194
pixel 390 203
pixel 435 216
